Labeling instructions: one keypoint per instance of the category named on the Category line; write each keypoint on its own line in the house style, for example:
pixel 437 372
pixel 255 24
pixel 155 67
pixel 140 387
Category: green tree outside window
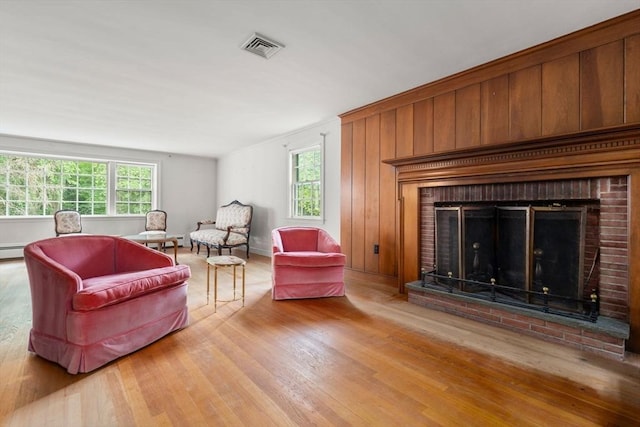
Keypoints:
pixel 306 183
pixel 36 186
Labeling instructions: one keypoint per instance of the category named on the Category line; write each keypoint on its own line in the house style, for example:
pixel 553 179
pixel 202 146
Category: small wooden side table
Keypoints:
pixel 224 261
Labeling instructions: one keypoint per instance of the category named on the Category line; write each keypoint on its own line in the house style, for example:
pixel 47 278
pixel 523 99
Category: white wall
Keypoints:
pixel 188 192
pixel 258 175
pixel 192 188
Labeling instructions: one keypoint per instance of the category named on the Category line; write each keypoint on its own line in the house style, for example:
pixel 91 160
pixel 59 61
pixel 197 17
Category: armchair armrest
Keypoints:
pixel 238 228
pixel 276 242
pixel 204 222
pixel 52 288
pixel 327 244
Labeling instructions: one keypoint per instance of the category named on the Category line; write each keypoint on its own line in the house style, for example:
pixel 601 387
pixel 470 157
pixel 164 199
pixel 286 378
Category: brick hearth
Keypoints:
pixel 606 337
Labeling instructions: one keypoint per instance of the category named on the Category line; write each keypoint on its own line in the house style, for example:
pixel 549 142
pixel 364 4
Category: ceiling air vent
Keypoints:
pixel 262 46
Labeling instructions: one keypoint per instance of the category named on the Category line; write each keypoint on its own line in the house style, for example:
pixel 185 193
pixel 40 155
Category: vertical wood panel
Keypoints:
pixel 561 95
pixel 410 236
pixel 633 344
pixel 632 79
pixel 388 196
pixel 346 147
pixel 444 122
pixel 525 103
pixel 358 195
pixel 468 116
pixel 423 127
pixel 602 85
pixel 494 118
pixel 404 131
pixel 372 193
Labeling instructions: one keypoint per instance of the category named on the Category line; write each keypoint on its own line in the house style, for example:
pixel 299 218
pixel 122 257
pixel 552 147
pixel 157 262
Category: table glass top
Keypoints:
pixel 152 237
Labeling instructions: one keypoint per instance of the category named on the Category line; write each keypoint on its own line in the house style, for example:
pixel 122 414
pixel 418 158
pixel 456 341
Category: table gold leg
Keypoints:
pixel 215 287
pixel 243 285
pixel 208 277
pixel 234 282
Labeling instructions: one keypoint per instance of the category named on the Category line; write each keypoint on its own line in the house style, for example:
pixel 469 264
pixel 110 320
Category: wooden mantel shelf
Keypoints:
pixel 585 154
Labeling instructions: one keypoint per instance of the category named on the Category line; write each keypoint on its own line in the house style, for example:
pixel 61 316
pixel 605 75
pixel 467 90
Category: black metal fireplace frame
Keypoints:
pixel 500 294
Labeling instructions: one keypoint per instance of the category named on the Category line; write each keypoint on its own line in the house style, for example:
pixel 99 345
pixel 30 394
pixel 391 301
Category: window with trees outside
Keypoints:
pixel 38 186
pixel 306 183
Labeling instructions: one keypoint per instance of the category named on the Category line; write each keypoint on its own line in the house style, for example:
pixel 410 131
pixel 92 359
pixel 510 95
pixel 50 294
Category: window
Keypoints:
pixel 306 182
pixel 37 186
pixel 134 189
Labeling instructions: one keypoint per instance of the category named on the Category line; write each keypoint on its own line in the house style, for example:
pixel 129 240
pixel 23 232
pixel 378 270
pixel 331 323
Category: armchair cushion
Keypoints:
pixel 309 259
pixel 102 291
pixel 216 237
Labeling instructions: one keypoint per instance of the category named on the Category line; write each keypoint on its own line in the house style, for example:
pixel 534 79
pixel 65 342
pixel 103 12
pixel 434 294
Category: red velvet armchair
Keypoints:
pixel 96 298
pixel 306 263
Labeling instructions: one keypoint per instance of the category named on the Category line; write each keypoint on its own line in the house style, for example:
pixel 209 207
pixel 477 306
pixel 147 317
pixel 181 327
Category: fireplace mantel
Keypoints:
pixel 612 151
pixel 604 152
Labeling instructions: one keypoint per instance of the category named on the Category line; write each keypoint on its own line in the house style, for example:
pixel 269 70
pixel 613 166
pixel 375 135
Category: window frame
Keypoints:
pixel 111 166
pixel 314 146
pixel 113 199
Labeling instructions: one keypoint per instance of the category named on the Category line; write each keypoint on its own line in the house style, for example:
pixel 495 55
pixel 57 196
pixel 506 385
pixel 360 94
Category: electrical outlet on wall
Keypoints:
pixel 376 249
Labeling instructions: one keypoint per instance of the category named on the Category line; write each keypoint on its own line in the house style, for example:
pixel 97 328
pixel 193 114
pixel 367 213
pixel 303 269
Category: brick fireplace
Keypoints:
pixel 598 168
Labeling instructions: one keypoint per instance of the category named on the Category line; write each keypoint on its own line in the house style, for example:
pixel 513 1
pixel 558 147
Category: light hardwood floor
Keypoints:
pixel 369 359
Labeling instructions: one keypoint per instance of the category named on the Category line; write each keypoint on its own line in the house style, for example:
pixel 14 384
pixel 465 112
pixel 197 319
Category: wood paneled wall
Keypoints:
pixel 585 80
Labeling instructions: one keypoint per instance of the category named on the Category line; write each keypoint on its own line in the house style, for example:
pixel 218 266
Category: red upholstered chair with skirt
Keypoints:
pixel 306 263
pixel 96 298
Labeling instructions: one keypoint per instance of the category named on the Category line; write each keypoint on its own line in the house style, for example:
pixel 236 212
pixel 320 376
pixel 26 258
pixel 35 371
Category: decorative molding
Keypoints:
pixel 575 154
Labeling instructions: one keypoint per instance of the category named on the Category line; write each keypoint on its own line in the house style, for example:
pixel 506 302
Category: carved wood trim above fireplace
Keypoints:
pixel 605 152
pixel 613 151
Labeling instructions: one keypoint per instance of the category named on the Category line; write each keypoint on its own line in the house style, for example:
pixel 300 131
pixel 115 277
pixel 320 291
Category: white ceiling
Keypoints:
pixel 170 75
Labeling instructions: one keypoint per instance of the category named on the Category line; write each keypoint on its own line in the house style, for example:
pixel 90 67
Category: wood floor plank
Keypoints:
pixel 368 359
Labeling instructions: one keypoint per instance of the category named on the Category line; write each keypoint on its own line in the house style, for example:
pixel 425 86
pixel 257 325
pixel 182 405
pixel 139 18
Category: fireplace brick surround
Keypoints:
pixel 602 165
pixel 611 234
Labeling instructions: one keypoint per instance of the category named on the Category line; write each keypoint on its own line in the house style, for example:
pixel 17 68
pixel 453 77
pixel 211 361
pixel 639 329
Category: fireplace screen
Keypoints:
pixel 534 249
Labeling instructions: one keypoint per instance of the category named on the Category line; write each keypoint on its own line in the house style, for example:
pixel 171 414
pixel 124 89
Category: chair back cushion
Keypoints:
pixel 87 256
pixel 96 255
pixel 299 239
pixel 234 215
pixel 67 221
pixel 156 221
